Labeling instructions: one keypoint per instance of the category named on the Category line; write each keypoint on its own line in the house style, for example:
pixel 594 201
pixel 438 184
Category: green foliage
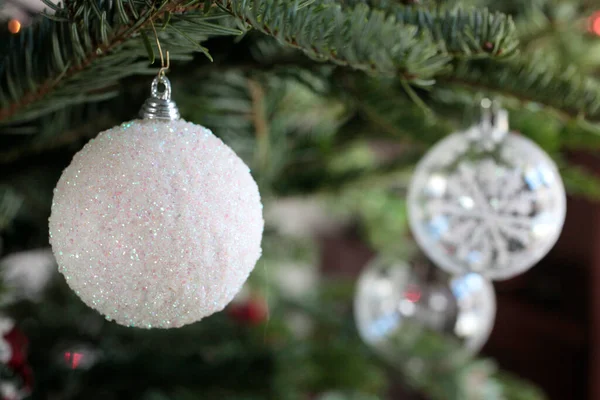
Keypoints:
pixel 382 213
pixel 86 48
pixel 566 92
pixel 82 52
pixel 361 38
pixel 484 33
pixel 275 123
pixel 516 389
pixel 580 181
pixel 391 114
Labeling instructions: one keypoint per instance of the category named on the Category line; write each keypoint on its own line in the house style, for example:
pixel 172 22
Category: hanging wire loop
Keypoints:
pixel 160 105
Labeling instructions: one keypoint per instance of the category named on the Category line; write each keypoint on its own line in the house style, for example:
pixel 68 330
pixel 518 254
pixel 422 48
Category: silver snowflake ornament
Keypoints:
pixel 486 201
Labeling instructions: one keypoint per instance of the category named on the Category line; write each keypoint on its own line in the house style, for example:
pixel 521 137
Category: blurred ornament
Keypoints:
pixel 486 200
pixel 252 311
pixel 407 307
pixel 6 324
pixel 14 344
pixel 13 355
pixel 6 349
pixel 156 223
pixel 9 391
pixel 27 273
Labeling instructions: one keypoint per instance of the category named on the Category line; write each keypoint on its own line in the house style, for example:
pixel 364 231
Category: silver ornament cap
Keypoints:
pixel 160 105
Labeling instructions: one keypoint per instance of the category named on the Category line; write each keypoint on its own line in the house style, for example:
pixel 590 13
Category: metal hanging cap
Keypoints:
pixel 493 116
pixel 494 120
pixel 160 106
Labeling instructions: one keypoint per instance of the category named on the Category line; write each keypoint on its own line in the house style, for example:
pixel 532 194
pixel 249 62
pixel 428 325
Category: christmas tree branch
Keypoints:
pixel 61 70
pixel 459 32
pixel 46 142
pixel 364 39
pixel 414 43
pixel 89 46
pixel 567 93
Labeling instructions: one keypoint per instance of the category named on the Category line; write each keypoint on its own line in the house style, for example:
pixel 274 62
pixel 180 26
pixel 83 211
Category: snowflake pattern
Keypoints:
pixel 494 212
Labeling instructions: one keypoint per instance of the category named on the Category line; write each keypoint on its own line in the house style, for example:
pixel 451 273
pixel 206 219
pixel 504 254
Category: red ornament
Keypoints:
pixel 18 344
pixel 594 23
pixel 251 312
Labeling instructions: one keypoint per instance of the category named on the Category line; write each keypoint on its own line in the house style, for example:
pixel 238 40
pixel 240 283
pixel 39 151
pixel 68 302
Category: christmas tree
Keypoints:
pixel 331 104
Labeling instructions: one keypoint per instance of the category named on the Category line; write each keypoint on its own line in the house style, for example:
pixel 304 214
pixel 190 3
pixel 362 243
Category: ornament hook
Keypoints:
pixel 163 68
pixel 159 105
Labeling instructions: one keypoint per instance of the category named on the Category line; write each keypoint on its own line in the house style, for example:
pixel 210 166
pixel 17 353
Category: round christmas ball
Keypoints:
pixel 488 201
pixel 156 223
pixel 404 308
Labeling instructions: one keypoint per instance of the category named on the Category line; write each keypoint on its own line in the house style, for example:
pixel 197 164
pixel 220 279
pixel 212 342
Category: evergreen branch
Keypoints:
pixel 568 93
pixel 361 38
pixel 61 64
pixel 100 46
pixel 580 181
pixel 461 33
pixel 391 113
pixel 89 48
pixel 86 129
pixel 260 122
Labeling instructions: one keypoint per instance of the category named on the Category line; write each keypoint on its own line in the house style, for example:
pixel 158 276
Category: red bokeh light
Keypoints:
pixel 73 359
pixel 412 294
pixel 14 26
pixel 594 23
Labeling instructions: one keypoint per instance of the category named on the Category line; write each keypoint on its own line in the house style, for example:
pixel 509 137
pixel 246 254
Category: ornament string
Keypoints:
pixel 163 68
pixel 160 105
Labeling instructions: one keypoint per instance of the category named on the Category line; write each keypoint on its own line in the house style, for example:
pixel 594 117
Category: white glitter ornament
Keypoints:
pixel 486 200
pixel 156 222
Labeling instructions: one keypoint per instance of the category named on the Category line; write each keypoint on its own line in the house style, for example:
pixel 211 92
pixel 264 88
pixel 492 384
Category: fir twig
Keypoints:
pixel 364 39
pixel 568 93
pixel 92 46
pixel 469 33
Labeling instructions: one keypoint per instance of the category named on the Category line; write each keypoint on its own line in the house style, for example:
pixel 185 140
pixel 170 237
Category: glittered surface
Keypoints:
pixel 156 223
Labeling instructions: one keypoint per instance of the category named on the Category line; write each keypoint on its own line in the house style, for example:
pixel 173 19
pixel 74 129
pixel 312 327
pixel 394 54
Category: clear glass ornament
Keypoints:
pixel 411 311
pixel 486 200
